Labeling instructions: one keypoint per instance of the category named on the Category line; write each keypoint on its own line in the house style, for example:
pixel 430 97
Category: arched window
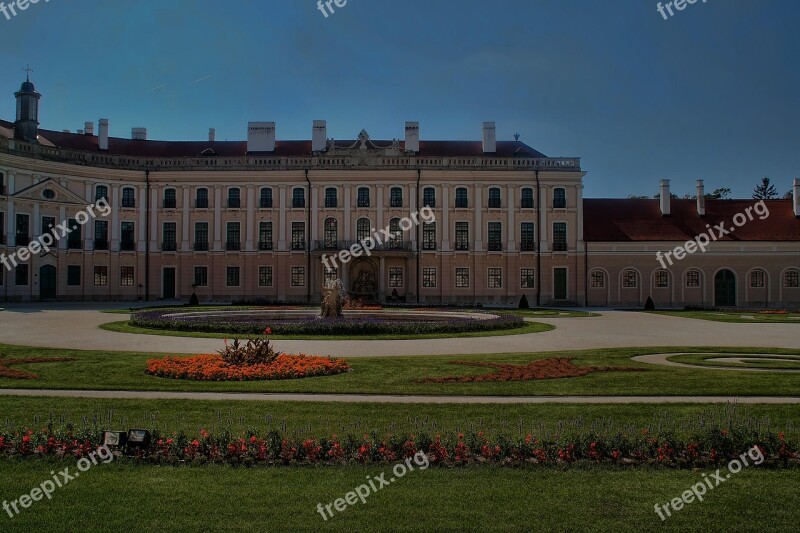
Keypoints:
pixel 331 232
pixel 396 240
pixel 630 279
pixel 266 198
pixel 363 197
pixel 128 197
pixel 170 199
pixel 331 199
pixel 396 197
pixel 559 198
pixel 494 198
pixel 692 279
pixel 429 197
pixel 791 279
pixel 234 198
pixel 526 202
pixel 363 229
pixel 101 193
pixel 462 198
pixel 202 198
pixel 661 279
pixel 758 279
pixel 598 279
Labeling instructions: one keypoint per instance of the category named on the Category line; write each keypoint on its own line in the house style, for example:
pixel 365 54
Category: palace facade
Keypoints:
pixel 252 220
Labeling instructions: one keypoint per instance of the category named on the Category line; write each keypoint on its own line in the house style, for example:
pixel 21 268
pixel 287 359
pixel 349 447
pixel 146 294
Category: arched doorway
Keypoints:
pixel 725 289
pixel 47 282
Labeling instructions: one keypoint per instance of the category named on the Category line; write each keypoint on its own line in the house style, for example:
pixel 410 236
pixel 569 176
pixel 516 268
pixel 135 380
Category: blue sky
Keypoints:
pixel 711 93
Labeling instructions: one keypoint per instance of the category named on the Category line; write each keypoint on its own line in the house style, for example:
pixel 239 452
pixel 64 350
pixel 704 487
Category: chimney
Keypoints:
pixel 796 197
pixel 212 135
pixel 139 134
pixel 260 136
pixel 102 135
pixel 489 138
pixel 89 128
pixel 701 198
pixel 319 136
pixel 665 198
pixel 412 136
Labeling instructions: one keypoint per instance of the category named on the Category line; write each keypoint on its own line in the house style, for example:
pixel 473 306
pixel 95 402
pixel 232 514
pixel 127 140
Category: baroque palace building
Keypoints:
pixel 252 220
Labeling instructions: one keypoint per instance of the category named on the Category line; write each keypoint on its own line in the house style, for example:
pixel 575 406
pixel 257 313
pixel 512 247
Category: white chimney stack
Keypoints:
pixel 139 134
pixel 796 197
pixel 489 138
pixel 319 136
pixel 701 198
pixel 102 135
pixel 261 137
pixel 212 135
pixel 89 128
pixel 412 136
pixel 665 198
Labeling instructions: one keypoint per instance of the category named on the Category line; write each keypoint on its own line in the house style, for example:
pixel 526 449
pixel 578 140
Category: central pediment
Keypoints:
pixel 363 147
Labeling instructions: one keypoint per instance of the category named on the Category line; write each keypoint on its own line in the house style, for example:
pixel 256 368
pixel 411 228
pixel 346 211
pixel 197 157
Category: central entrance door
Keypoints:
pixel 725 289
pixel 47 282
pixel 169 283
pixel 560 284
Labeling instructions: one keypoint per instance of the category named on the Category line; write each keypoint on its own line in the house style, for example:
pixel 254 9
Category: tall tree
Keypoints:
pixel 719 194
pixel 765 191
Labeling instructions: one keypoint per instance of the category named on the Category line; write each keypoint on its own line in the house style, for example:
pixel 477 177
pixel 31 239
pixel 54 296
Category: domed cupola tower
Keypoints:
pixel 26 127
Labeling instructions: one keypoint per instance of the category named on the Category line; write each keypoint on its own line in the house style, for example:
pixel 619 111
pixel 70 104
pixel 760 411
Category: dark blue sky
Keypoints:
pixel 711 93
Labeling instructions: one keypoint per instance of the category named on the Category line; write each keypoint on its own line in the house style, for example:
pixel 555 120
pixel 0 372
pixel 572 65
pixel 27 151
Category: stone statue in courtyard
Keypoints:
pixel 332 299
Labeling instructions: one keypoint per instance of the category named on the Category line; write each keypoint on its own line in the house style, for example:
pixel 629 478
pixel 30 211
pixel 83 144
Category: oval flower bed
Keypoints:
pixel 214 368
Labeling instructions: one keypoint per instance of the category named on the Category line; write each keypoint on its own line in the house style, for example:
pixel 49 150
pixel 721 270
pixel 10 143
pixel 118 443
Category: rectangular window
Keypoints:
pixel 429 236
pixel 74 241
pixel 266 198
pixel 232 276
pixel 298 198
pixel 559 198
pixel 265 235
pixel 693 279
pixel 560 237
pixel 201 236
pixel 396 197
pixel 526 201
pixel 462 200
pixel 363 197
pixel 100 276
pixel 201 276
pixel 395 277
pixel 331 200
pixel 21 275
pixel 298 277
pixel 298 236
pixel 495 278
pixel 127 239
pixel 462 235
pixel 100 235
pixel 429 277
pixel 126 276
pixel 234 198
pixel 233 236
pixel 265 276
pixel 527 237
pixel 202 199
pixel 527 278
pixel 662 279
pixel 757 279
pixel 331 275
pixel 598 280
pixel 495 236
pixel 170 199
pixel 170 243
pixel 429 197
pixel 494 198
pixel 462 277
pixel 48 223
pixel 74 275
pixel 128 198
pixel 23 234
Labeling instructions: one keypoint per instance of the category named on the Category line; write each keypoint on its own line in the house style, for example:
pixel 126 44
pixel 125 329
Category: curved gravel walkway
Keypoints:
pixel 378 398
pixel 663 360
pixel 76 326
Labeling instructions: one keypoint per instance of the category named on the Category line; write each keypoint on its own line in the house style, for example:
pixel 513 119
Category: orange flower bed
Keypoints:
pixel 213 368
pixel 559 367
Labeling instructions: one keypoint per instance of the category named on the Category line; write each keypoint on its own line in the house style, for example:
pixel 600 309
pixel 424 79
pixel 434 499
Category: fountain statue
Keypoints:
pixel 332 299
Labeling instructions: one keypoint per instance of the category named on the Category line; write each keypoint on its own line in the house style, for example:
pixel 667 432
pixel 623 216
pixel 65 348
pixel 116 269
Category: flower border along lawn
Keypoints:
pixel 92 370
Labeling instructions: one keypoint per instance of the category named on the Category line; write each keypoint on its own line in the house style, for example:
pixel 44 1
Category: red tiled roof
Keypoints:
pixel 630 220
pixel 129 147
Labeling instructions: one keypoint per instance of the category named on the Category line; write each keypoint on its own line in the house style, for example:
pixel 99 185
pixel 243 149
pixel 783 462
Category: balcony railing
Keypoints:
pixel 234 203
pixel 128 203
pixel 101 244
pixel 170 203
pixel 265 245
pixel 233 246
pixel 495 247
pixel 403 246
pixel 201 203
pixel 22 240
pixel 201 246
pixel 127 246
pixel 298 246
pixel 298 203
pixel 266 203
pixel 169 246
pixel 74 244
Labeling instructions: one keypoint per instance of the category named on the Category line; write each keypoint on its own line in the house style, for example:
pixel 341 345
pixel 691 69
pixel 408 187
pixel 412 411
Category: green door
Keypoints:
pixel 560 284
pixel 725 289
pixel 47 282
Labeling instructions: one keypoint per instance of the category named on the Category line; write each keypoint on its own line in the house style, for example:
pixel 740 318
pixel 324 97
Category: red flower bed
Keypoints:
pixel 214 368
pixel 559 367
pixel 6 372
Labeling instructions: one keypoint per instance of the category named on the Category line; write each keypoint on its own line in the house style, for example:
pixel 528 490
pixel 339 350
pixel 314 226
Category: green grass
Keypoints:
pixel 754 362
pixel 733 316
pixel 120 496
pixel 529 327
pixel 402 375
pixel 316 419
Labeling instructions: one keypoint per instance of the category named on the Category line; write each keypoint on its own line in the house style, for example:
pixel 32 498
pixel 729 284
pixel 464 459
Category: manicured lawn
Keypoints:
pixel 753 362
pixel 402 375
pixel 120 496
pixel 529 327
pixel 316 419
pixel 733 316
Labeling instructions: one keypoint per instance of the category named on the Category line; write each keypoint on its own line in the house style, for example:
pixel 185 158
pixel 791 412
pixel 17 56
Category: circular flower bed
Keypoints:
pixel 214 368
pixel 251 322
